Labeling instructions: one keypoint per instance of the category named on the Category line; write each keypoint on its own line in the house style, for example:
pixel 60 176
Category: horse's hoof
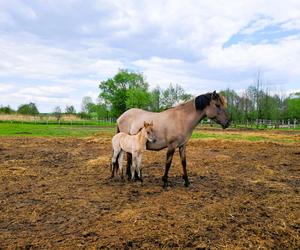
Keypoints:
pixel 186 184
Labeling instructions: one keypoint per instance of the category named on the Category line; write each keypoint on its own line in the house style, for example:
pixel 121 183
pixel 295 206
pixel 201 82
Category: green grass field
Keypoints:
pixel 55 130
pixel 28 129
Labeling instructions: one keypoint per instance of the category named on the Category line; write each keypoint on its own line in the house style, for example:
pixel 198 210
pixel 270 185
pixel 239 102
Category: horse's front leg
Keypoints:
pixel 170 154
pixel 183 162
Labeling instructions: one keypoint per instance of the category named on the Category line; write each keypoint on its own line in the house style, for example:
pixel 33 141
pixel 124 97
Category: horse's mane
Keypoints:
pixel 210 95
pixel 182 104
pixel 217 96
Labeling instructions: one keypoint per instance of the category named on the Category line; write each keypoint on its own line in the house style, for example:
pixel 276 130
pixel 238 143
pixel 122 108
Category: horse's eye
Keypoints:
pixel 218 105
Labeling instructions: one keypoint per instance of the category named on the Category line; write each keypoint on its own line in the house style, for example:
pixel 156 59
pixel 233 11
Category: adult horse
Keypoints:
pixel 173 127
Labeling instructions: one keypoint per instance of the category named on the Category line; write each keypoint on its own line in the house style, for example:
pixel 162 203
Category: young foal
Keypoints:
pixel 134 144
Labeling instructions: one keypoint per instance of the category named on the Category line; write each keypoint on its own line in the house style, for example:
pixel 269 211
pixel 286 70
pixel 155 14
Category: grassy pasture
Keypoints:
pixel 201 132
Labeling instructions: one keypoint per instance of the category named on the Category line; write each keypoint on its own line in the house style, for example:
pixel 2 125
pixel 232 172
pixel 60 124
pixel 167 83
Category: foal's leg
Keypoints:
pixel 120 162
pixel 133 166
pixel 139 170
pixel 170 154
pixel 114 159
pixel 183 162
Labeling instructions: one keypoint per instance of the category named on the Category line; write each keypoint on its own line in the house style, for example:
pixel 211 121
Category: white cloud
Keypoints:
pixel 31 58
pixel 281 57
pixel 5 88
pixel 169 41
pixel 162 71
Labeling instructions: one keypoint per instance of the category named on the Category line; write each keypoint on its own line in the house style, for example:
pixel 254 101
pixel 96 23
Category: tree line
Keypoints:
pixel 129 89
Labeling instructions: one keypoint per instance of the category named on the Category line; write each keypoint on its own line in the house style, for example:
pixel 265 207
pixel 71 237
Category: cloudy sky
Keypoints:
pixel 54 52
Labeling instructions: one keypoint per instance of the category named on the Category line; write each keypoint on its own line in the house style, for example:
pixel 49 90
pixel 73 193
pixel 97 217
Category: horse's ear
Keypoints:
pixel 214 95
pixel 202 101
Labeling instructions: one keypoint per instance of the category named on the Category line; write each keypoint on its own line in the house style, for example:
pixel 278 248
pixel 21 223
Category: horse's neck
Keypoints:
pixel 192 116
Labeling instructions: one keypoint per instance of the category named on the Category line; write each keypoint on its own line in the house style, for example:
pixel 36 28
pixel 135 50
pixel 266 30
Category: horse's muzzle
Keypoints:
pixel 226 125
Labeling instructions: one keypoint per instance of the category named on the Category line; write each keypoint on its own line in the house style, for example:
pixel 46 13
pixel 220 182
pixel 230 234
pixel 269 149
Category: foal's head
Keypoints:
pixel 214 106
pixel 148 131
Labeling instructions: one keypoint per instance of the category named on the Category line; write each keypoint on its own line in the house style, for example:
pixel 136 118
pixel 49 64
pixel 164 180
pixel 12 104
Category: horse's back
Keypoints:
pixel 133 119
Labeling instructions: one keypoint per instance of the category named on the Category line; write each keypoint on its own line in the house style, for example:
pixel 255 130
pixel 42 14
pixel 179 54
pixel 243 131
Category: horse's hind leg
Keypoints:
pixel 183 162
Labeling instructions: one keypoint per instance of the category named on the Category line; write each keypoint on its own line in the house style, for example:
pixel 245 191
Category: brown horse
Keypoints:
pixel 174 126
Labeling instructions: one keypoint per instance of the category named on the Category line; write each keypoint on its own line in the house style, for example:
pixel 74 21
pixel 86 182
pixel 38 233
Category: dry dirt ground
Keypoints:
pixel 55 193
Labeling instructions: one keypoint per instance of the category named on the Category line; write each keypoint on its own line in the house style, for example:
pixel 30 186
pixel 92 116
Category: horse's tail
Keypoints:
pixel 117 129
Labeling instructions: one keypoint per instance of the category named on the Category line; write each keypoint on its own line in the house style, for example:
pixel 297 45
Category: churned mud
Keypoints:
pixel 56 193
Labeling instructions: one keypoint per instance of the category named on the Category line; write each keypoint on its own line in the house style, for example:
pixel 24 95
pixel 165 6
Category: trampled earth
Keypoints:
pixel 56 193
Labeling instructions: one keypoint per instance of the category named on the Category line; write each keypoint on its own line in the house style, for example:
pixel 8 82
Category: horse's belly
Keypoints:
pixel 155 146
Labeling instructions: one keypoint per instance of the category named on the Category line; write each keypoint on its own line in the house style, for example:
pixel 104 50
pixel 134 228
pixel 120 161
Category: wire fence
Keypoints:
pixel 262 124
pixel 110 121
pixel 83 122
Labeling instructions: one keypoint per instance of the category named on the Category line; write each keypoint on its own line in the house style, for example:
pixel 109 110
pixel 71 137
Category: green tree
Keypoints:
pixel 233 101
pixel 114 90
pixel 97 111
pixel 86 103
pixel 70 110
pixel 6 110
pixel 28 109
pixel 294 106
pixel 155 99
pixel 172 95
pixel 57 113
pixel 137 98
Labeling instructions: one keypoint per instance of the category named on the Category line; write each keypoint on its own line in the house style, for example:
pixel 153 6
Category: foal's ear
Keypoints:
pixel 202 101
pixel 146 124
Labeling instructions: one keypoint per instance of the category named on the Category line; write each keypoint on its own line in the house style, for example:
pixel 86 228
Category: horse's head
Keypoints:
pixel 214 106
pixel 149 133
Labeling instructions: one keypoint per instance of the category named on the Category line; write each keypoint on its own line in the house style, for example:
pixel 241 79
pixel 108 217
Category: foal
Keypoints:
pixel 134 144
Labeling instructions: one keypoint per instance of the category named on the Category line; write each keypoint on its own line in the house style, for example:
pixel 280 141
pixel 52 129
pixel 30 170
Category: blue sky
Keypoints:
pixel 55 52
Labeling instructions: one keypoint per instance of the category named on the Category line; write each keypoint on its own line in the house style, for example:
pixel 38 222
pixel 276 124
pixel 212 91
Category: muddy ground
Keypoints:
pixel 55 193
